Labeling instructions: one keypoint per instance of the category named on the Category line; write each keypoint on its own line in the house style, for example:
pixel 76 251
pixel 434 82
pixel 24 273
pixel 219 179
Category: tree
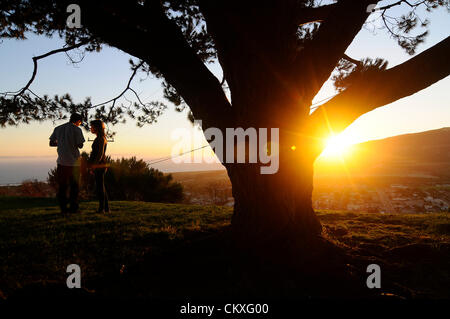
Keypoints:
pixel 275 56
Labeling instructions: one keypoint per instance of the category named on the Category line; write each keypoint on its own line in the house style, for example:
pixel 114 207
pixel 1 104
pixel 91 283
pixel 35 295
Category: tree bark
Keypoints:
pixel 273 213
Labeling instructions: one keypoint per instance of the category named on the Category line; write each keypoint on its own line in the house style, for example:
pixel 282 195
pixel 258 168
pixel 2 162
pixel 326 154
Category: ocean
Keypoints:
pixel 14 170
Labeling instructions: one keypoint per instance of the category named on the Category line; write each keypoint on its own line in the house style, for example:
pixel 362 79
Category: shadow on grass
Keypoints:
pixel 8 203
pixel 206 266
pixel 161 252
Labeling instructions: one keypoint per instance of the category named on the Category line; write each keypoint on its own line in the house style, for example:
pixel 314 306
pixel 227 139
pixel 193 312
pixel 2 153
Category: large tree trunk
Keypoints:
pixel 273 212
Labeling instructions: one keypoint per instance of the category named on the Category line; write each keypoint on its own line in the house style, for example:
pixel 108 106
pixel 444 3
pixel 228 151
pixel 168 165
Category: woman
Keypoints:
pixel 97 164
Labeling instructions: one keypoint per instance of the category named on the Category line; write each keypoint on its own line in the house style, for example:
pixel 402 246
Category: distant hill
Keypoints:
pixel 424 154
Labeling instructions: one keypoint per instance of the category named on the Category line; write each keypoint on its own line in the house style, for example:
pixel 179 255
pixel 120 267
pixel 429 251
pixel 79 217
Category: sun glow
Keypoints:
pixel 336 146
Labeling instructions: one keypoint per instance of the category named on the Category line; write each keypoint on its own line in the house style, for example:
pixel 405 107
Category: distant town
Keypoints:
pixel 385 195
pixel 390 199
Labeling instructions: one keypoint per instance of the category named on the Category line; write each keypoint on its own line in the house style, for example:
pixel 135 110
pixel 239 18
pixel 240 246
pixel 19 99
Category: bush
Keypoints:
pixel 34 188
pixel 129 179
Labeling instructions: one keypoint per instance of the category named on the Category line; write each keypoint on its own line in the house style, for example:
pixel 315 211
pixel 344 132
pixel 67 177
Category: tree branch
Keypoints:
pixel 382 88
pixel 128 87
pixel 159 42
pixel 349 59
pixel 318 59
pixel 397 4
pixel 35 64
pixel 317 14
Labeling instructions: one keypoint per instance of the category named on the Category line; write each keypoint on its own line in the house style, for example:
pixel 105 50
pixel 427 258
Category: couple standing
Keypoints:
pixel 68 138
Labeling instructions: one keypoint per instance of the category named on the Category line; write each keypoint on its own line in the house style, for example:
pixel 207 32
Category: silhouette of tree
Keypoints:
pixel 275 56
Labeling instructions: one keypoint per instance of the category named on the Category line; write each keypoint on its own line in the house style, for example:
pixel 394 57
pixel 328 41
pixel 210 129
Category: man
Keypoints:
pixel 69 139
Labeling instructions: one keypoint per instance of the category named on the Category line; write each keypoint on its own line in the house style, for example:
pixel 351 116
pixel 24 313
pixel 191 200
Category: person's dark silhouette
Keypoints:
pixel 97 164
pixel 68 138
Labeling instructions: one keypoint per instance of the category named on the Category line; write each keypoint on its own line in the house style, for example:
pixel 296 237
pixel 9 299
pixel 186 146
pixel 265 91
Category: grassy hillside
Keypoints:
pixel 162 250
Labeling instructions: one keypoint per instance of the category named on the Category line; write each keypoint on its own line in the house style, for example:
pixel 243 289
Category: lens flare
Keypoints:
pixel 336 146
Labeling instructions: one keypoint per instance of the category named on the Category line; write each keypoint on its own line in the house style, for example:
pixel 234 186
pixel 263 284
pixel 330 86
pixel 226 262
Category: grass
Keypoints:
pixel 387 231
pixel 37 243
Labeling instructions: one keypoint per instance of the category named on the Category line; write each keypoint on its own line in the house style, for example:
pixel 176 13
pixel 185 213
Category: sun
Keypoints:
pixel 336 146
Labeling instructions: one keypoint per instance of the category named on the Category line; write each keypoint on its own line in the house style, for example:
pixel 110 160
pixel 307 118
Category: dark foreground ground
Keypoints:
pixel 169 251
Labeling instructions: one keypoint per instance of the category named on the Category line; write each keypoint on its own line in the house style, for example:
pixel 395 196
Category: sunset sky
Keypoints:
pixel 103 75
